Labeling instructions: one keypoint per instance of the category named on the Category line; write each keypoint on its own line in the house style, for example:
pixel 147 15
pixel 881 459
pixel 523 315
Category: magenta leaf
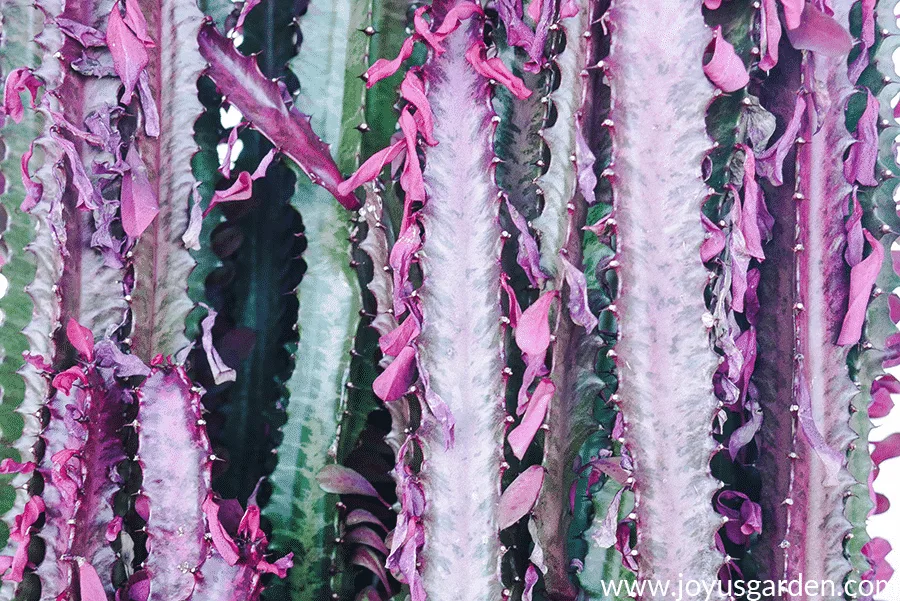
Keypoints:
pixel 862 279
pixel 725 68
pixel 395 381
pixel 522 435
pixel 81 338
pixel 519 497
pixel 860 164
pixel 820 33
pixel 17 82
pixel 221 540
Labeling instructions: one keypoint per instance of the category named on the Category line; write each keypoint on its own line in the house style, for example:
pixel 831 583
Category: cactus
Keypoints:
pixel 454 300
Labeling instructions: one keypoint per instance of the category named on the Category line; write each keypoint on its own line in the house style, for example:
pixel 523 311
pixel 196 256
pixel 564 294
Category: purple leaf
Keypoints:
pixel 725 68
pixel 579 311
pixel 529 256
pixel 221 372
pixel 860 164
pixel 129 53
pixel 519 497
pixel 831 458
pixel 819 33
pixel 384 68
pixel 139 204
pixel 341 480
pixel 221 540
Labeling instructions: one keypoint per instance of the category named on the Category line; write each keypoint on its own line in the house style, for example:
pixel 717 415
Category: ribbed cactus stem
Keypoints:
pixel 461 332
pixel 664 360
pixel 804 439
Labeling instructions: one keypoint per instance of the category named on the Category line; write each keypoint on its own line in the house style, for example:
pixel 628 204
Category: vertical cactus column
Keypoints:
pixel 665 363
pixel 460 341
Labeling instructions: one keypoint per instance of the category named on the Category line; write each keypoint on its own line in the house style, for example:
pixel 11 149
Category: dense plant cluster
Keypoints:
pixel 460 301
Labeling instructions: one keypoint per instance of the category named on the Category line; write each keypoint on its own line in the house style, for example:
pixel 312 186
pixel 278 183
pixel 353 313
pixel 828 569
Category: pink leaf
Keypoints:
pixel 411 179
pixel 17 82
pixel 279 568
pixel 522 435
pixel 139 204
pixel 855 239
pixel 862 279
pixel 128 52
pixel 792 11
pixel 383 68
pixel 114 528
pixel 770 31
pixel 371 168
pixel 395 381
pixel 11 466
pixel 725 69
pixel 885 449
pixel 714 243
pixel 533 332
pixel 868 23
pixel 394 341
pixel 819 33
pixel 90 586
pixel 494 68
pixel 136 22
pixel 413 91
pixel 860 164
pixel 340 480
pixel 882 389
pixel 520 497
pixel 454 16
pixel 241 189
pixel 81 338
pixel 712 4
pixel 64 381
pixel 221 540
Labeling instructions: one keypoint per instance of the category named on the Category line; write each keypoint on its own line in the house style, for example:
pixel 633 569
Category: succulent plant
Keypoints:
pixel 371 300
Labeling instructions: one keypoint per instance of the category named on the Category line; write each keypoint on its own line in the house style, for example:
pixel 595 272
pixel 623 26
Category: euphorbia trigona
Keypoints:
pixel 593 290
